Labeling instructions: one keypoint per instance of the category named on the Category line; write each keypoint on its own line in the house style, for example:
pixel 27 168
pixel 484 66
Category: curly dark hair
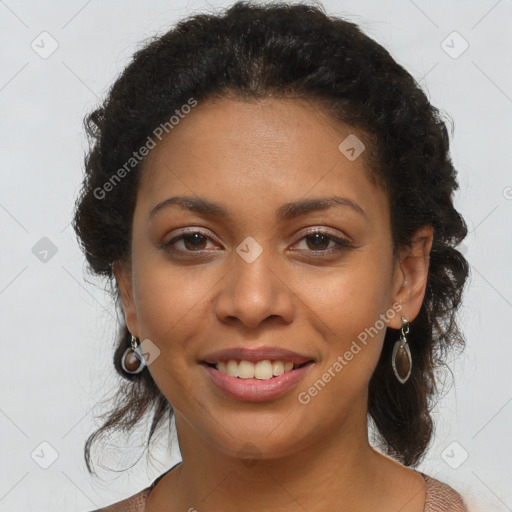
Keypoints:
pixel 295 51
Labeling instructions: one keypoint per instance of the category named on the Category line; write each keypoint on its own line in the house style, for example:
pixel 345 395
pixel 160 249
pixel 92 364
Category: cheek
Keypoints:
pixel 348 307
pixel 353 344
pixel 171 308
pixel 349 298
pixel 168 297
pixel 168 305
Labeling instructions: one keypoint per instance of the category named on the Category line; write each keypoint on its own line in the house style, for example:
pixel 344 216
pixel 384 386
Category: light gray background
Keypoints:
pixel 57 329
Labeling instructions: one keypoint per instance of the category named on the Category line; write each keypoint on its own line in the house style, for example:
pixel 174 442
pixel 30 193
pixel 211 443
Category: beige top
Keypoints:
pixel 440 497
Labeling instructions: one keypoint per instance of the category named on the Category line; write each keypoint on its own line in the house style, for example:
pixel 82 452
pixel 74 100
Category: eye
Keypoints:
pixel 320 241
pixel 191 241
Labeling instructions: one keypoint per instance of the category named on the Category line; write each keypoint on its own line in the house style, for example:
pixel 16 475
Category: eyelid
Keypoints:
pixel 324 230
pixel 190 231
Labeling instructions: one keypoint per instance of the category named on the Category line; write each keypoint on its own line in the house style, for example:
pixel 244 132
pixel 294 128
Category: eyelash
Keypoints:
pixel 342 245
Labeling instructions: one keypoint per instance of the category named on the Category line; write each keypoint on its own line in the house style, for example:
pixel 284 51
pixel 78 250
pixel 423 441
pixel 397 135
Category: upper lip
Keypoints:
pixel 256 354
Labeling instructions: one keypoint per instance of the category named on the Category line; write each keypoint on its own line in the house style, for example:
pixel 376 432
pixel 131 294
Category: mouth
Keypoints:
pixel 259 381
pixel 255 374
pixel 265 369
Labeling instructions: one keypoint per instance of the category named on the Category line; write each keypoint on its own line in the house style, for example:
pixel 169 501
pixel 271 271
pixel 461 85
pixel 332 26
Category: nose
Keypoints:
pixel 253 292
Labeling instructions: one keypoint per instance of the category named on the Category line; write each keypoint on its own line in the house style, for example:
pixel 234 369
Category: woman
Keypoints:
pixel 271 194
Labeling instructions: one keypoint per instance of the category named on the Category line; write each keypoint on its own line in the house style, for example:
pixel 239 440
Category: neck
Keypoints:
pixel 338 468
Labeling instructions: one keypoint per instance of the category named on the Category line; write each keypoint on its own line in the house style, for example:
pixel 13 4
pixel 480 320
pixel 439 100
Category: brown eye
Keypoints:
pixel 195 241
pixel 191 241
pixel 318 241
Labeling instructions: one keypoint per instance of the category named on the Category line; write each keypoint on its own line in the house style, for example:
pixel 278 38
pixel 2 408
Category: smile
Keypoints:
pixel 262 370
pixel 255 382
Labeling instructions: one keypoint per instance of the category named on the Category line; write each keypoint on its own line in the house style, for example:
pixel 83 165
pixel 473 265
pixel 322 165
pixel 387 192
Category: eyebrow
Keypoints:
pixel 287 211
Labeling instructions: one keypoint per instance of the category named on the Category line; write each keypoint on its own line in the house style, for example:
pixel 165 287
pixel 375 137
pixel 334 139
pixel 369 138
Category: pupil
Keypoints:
pixel 318 237
pixel 197 240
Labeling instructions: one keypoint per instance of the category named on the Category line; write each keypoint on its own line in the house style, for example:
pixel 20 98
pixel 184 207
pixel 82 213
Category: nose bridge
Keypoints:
pixel 253 289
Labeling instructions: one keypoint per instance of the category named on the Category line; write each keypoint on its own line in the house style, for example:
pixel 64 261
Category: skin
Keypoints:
pixel 252 157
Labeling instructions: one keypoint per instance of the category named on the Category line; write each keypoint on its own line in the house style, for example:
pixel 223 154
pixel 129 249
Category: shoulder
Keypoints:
pixel 440 497
pixel 137 502
pixel 134 503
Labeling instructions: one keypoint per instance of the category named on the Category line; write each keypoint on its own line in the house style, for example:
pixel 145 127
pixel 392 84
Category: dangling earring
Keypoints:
pixel 132 360
pixel 401 359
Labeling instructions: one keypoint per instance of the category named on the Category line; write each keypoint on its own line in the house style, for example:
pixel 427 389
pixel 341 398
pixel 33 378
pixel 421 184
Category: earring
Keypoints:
pixel 132 360
pixel 401 359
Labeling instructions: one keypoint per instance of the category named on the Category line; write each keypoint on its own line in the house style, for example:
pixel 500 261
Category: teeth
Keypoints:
pixel 232 368
pixel 262 370
pixel 277 368
pixel 246 370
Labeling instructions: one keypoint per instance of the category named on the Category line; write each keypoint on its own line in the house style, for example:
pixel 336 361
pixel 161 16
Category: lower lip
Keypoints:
pixel 256 390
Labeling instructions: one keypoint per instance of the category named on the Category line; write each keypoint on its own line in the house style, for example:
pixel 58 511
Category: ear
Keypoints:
pixel 124 283
pixel 410 276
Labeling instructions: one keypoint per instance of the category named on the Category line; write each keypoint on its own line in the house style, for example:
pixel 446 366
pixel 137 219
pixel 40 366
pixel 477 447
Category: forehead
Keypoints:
pixel 274 149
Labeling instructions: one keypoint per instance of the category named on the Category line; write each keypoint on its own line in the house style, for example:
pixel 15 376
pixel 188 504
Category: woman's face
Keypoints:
pixel 252 277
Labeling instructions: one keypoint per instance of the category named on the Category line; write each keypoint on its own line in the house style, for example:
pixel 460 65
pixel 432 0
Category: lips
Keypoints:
pixel 241 386
pixel 254 390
